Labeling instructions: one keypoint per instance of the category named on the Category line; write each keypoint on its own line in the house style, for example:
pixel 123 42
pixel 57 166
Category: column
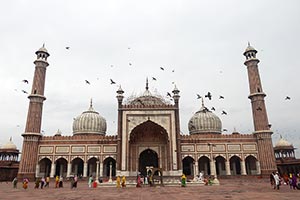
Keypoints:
pixel 243 168
pixel 69 169
pixel 97 170
pixel 196 169
pixel 85 166
pixel 212 167
pixel 61 170
pixel 53 167
pixel 101 169
pixel 110 172
pixel 227 167
pixel 37 170
pixel 258 167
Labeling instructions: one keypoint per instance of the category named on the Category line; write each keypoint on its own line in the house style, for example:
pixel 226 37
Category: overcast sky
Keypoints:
pixel 202 41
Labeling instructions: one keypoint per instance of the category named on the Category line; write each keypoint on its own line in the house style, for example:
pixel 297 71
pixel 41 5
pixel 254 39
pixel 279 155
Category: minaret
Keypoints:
pixel 261 125
pixel 32 133
pixel 176 97
pixel 120 98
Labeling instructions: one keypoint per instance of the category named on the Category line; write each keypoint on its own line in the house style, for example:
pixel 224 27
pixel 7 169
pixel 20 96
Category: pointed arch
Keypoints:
pixel 251 165
pixel 109 163
pixel 187 166
pixel 235 165
pixel 204 165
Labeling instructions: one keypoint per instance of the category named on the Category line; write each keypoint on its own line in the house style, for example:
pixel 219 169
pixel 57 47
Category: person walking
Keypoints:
pixel 47 181
pixel 277 180
pixel 123 182
pixel 183 180
pixel 118 182
pixel 90 181
pixel 25 183
pixel 15 182
pixel 56 181
pixel 42 182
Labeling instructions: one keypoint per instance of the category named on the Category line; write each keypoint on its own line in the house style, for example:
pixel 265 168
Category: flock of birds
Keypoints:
pixel 112 82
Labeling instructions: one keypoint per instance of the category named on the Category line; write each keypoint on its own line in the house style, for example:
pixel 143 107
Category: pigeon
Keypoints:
pixel 162 68
pixel 24 91
pixel 173 70
pixel 87 82
pixel 208 95
pixel 112 82
pixel 25 81
pixel 198 96
pixel 221 97
pixel 259 108
pixel 223 112
pixel 213 108
pixel 287 98
pixel 153 78
pixel 130 64
pixel 168 94
pixel 67 48
pixel 224 129
pixel 269 125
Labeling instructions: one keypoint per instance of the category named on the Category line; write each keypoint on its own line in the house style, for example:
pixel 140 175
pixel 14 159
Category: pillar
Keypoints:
pixel 53 167
pixel 243 168
pixel 69 169
pixel 258 167
pixel 85 166
pixel 101 169
pixel 97 170
pixel 227 167
pixel 37 170
pixel 196 169
pixel 110 172
pixel 212 167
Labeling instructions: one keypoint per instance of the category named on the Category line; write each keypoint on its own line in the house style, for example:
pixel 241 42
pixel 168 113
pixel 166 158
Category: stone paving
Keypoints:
pixel 228 189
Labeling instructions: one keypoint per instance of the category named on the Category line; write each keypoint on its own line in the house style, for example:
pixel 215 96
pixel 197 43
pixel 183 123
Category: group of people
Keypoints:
pixel 291 180
pixel 42 182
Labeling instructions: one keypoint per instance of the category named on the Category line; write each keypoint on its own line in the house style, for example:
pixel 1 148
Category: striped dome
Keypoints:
pixel 204 121
pixel 89 122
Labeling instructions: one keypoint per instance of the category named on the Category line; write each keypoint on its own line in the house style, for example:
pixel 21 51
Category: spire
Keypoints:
pixel 147 87
pixel 10 139
pixel 202 102
pixel 248 44
pixel 44 45
pixel 91 105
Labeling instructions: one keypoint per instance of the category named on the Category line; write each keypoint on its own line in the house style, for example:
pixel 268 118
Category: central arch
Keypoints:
pixel 148 146
pixel 146 159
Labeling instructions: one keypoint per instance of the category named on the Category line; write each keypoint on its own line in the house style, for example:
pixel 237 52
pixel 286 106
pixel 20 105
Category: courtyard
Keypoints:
pixel 228 189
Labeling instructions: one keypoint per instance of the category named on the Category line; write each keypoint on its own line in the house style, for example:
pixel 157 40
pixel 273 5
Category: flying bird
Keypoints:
pixel 67 48
pixel 173 70
pixel 287 98
pixel 198 96
pixel 221 97
pixel 162 68
pixel 87 82
pixel 25 81
pixel 112 82
pixel 208 95
pixel 223 112
pixel 153 78
pixel 130 64
pixel 213 108
pixel 24 91
pixel 168 94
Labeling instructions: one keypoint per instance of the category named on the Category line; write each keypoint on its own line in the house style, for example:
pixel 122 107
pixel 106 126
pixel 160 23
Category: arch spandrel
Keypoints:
pixel 162 121
pixel 148 129
pixel 47 157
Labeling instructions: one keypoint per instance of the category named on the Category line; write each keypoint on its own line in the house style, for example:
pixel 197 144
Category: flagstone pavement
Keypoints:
pixel 233 189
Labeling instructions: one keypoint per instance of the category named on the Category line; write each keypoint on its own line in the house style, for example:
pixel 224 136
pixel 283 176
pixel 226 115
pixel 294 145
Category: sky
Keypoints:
pixel 199 44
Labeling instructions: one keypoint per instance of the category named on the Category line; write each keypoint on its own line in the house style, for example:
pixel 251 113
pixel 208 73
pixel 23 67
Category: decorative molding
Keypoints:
pixel 187 148
pixel 234 147
pixel 46 149
pixel 78 149
pixel 110 149
pixel 62 149
pixel 92 149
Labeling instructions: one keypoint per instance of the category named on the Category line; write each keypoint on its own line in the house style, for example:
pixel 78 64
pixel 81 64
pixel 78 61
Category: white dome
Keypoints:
pixel 283 143
pixel 9 145
pixel 89 122
pixel 204 121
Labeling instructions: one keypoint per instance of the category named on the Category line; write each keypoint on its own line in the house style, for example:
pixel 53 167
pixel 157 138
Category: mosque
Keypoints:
pixel 148 135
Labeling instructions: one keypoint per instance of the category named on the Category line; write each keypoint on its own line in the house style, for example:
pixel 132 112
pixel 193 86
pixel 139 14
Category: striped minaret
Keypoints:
pixel 261 125
pixel 32 133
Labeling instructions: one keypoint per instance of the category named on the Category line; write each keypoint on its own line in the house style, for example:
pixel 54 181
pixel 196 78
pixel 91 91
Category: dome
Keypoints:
pixel 89 122
pixel 283 143
pixel 249 48
pixel 204 121
pixel 42 49
pixel 9 145
pixel 147 99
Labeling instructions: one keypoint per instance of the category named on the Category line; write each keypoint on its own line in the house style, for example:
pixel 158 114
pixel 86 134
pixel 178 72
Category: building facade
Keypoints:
pixel 9 161
pixel 148 135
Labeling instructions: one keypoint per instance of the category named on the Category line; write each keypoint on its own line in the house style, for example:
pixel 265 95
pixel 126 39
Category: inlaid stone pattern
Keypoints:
pixel 249 147
pixel 188 148
pixel 93 149
pixel 46 149
pixel 202 147
pixel 62 149
pixel 110 149
pixel 78 149
pixel 234 147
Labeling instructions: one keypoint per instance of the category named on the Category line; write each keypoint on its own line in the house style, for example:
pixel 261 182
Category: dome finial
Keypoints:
pixel 202 101
pixel 10 139
pixel 248 44
pixel 91 105
pixel 147 87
